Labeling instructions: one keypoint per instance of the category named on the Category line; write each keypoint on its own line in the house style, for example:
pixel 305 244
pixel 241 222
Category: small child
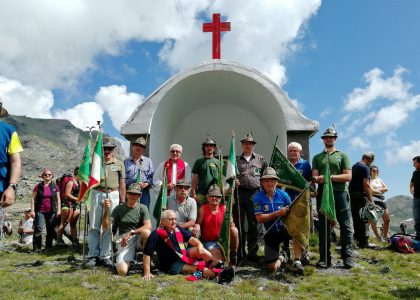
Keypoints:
pixel 26 228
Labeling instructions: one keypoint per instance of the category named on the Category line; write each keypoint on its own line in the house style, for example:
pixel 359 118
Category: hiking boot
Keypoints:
pixel 349 262
pixel 366 246
pixel 226 275
pixel 37 251
pixel 297 267
pixel 304 259
pixel 60 244
pixel 233 258
pixel 76 243
pixel 90 262
pixel 254 257
pixel 322 265
pixel 105 262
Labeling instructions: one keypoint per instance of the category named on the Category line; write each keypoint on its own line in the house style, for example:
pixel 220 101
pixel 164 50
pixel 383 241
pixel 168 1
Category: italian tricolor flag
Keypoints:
pixel 97 171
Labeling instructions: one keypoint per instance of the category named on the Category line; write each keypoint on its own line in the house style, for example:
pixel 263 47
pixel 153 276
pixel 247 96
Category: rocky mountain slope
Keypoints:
pixel 56 144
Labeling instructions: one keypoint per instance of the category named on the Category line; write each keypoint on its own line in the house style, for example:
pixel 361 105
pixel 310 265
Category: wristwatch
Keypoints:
pixel 133 232
pixel 14 186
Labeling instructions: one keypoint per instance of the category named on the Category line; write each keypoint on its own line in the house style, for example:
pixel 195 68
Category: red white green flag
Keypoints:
pixel 97 170
pixel 84 171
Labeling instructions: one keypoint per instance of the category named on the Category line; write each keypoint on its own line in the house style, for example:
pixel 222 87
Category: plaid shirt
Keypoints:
pixel 132 169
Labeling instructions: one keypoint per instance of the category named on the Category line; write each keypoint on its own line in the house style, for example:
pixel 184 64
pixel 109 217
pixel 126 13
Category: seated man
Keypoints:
pixel 209 223
pixel 169 242
pixel 26 228
pixel 133 223
pixel 270 204
pixel 184 206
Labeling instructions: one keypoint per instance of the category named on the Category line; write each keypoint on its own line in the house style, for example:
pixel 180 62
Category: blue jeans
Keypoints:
pixel 416 215
pixel 145 198
pixel 342 211
pixel 43 219
pixel 100 244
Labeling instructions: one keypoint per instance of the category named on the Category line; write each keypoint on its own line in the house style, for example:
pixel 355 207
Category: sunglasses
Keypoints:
pixel 376 171
pixel 47 174
pixel 175 151
pixel 183 187
pixel 108 149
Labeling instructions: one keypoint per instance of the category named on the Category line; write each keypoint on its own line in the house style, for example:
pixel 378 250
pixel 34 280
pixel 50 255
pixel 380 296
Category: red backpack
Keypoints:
pixel 63 182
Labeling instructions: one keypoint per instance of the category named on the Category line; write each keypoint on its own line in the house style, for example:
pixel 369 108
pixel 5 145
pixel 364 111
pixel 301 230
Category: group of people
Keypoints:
pixel 186 237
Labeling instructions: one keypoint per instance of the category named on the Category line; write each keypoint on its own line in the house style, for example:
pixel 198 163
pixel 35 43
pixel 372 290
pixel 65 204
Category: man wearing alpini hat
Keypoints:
pixel 270 204
pixel 205 171
pixel 340 173
pixel 133 223
pixel 104 198
pixel 139 168
pixel 250 166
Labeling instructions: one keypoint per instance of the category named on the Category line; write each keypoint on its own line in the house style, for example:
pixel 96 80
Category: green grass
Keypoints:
pixel 382 275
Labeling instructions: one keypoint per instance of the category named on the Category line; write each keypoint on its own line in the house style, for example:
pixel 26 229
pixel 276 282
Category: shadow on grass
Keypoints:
pixel 407 293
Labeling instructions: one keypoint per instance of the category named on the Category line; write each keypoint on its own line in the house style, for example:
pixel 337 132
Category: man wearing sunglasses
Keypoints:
pixel 184 206
pixel 340 173
pixel 176 168
pixel 104 198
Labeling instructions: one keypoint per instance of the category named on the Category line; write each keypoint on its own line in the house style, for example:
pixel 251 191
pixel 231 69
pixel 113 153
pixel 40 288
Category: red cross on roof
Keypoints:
pixel 216 27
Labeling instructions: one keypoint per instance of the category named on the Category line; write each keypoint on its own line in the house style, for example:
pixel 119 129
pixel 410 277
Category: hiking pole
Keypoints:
pixel 84 229
pixel 259 240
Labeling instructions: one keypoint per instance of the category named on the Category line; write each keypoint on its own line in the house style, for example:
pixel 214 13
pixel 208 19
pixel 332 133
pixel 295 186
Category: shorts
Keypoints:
pixel 202 199
pixel 211 245
pixel 127 253
pixel 272 245
pixel 176 267
pixel 380 203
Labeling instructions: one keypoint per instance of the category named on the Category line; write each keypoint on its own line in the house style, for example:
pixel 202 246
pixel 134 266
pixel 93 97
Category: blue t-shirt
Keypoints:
pixel 166 254
pixel 304 168
pixel 263 205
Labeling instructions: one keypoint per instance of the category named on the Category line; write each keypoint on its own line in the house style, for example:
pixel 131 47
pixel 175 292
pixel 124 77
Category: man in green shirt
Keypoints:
pixel 204 172
pixel 133 223
pixel 340 173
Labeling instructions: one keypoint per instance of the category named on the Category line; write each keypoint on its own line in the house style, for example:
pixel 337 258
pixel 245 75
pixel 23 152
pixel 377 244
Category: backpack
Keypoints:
pixel 63 182
pixel 404 243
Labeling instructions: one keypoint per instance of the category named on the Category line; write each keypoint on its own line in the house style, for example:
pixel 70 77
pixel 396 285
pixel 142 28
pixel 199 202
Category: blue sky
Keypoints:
pixel 351 63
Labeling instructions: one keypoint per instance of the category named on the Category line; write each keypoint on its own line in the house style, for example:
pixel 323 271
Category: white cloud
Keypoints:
pixel 403 153
pixel 82 115
pixel 25 100
pixel 118 103
pixel 326 112
pixel 392 88
pixel 50 43
pixel 383 106
pixel 359 143
pixel 275 24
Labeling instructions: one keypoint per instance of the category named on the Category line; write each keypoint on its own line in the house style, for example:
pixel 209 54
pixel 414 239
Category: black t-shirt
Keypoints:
pixel 416 180
pixel 166 254
pixel 359 172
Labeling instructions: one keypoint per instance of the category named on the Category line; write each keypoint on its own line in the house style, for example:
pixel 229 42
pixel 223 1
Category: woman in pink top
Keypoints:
pixel 45 206
pixel 209 222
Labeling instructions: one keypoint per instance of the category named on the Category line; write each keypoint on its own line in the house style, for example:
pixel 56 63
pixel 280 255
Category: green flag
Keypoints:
pixel 297 220
pixel 231 172
pixel 327 202
pixel 84 171
pixel 289 176
pixel 162 199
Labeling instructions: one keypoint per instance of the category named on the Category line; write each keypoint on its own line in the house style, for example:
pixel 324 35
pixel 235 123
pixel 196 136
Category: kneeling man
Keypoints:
pixel 169 241
pixel 133 223
pixel 269 204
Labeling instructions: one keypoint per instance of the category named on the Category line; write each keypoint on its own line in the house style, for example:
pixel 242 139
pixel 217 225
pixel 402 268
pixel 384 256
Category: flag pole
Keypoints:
pixel 272 154
pixel 106 194
pixel 326 220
